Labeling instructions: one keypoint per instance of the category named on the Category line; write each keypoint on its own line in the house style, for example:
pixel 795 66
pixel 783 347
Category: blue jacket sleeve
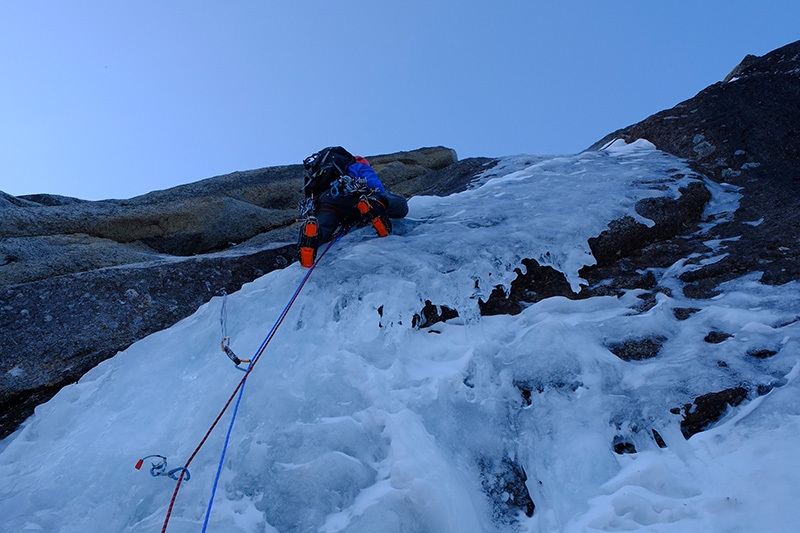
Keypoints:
pixel 360 170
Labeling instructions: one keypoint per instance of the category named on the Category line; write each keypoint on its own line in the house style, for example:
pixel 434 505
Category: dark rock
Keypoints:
pixel 683 313
pixel 537 283
pixel 649 299
pixel 526 395
pixel 504 483
pixel 433 314
pixel 614 280
pixel 672 217
pixel 622 446
pixel 709 408
pixel 762 354
pixel 623 253
pixel 637 349
pixel 659 439
pixel 743 131
pixel 716 337
pixel 766 388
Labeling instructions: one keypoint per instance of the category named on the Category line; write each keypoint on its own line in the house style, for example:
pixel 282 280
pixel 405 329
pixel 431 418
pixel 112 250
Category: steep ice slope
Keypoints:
pixel 356 421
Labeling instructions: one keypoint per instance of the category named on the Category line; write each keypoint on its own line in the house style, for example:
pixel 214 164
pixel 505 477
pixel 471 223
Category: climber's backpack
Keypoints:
pixel 325 167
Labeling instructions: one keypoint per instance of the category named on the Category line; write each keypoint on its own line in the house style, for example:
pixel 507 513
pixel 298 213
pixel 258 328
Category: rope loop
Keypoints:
pixel 173 474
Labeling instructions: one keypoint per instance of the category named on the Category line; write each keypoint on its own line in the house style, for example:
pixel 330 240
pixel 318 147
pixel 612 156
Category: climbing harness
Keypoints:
pixel 239 390
pixel 225 343
pixel 159 468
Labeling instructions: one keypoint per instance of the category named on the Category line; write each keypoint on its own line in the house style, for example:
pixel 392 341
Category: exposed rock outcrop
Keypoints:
pixel 741 132
pixel 47 235
pixel 709 408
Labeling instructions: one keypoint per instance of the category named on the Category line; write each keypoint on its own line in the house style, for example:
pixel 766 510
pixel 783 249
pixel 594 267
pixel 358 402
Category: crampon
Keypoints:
pixel 381 224
pixel 308 242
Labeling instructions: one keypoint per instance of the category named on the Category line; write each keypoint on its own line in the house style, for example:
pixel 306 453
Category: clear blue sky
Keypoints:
pixel 111 99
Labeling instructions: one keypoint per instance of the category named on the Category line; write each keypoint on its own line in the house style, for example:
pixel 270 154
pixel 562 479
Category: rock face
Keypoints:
pixel 741 132
pixel 45 235
pixel 744 131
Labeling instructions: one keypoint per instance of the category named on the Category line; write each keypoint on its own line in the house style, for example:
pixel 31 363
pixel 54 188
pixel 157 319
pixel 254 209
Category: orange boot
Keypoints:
pixel 308 242
pixel 381 223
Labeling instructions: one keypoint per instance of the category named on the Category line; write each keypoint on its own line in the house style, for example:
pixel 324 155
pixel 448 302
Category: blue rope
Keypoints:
pixel 250 367
pixel 222 457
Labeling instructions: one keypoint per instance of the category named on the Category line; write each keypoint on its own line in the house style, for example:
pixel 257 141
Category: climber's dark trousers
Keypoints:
pixel 398 206
pixel 332 211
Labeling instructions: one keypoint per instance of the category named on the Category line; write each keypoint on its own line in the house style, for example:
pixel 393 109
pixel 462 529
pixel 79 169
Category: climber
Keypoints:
pixel 342 189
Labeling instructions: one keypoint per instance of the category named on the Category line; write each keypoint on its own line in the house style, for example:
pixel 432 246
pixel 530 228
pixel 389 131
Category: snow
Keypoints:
pixel 355 421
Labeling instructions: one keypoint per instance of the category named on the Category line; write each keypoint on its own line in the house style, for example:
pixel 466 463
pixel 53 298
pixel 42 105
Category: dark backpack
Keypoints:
pixel 325 167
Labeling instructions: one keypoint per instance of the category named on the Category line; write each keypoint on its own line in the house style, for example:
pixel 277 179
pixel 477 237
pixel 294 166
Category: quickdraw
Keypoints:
pixel 225 343
pixel 159 468
pixel 239 390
